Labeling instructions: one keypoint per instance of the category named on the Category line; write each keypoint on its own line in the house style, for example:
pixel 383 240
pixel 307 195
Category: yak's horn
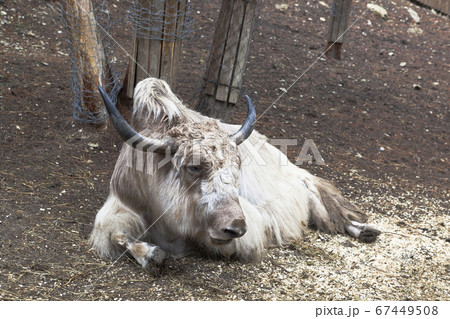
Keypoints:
pixel 247 128
pixel 130 136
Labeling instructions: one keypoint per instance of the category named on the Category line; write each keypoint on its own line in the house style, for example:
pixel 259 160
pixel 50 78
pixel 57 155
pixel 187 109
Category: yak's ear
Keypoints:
pixel 154 101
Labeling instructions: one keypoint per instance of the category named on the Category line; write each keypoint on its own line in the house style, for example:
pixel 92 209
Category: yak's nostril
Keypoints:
pixel 232 232
pixel 236 229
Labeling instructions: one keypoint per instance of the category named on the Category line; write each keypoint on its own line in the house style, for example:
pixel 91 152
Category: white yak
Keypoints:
pixel 189 182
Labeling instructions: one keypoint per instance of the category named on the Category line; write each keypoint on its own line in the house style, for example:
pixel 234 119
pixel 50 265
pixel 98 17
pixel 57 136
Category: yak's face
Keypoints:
pixel 208 164
pixel 205 158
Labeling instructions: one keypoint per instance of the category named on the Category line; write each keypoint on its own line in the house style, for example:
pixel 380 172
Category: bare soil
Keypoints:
pixel 381 126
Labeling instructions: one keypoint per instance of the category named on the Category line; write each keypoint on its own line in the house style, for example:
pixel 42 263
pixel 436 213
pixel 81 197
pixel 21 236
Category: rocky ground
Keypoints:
pixel 379 117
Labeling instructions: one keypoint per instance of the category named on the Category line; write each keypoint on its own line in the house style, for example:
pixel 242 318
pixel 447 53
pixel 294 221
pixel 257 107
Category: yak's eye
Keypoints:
pixel 194 169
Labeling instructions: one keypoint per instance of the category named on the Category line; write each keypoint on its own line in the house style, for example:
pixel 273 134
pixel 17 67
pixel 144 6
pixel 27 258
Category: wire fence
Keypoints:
pixel 92 58
pixel 161 19
pixel 158 28
pixel 94 52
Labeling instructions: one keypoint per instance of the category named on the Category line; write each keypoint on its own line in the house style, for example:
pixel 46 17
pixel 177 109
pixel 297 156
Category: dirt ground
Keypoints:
pixel 379 117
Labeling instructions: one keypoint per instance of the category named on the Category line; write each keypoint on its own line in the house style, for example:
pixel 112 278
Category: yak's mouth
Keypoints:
pixel 220 242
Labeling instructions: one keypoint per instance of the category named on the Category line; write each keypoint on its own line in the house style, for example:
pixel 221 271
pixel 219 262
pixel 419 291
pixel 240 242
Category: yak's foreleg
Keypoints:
pixel 150 257
pixel 118 230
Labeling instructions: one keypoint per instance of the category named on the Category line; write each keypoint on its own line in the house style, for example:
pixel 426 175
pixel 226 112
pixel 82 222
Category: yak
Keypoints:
pixel 185 182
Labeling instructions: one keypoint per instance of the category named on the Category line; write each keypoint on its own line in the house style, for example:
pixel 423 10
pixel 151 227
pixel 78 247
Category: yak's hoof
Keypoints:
pixel 156 261
pixel 368 235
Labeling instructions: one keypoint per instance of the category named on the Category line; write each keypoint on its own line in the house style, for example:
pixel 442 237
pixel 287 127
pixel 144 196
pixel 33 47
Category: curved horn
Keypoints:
pixel 247 128
pixel 130 136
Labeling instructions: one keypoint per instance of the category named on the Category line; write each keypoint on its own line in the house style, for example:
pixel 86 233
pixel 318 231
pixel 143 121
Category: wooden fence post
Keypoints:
pixel 228 57
pixel 89 57
pixel 340 11
pixel 440 5
pixel 156 49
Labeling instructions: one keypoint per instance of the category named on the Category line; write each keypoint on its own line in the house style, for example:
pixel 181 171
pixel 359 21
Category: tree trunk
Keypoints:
pixel 88 54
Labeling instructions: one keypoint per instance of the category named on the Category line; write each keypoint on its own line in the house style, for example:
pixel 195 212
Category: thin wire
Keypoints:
pixel 117 43
pixel 148 228
pixel 320 56
pixel 273 103
pixel 126 250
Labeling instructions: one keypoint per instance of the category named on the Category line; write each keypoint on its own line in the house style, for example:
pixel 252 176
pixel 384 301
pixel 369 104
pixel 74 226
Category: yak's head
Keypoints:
pixel 207 166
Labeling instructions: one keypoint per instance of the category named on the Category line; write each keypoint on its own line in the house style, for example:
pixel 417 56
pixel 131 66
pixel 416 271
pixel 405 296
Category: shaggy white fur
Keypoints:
pixel 180 207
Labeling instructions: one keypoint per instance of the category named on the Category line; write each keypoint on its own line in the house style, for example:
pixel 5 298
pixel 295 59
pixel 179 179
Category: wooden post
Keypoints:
pixel 228 57
pixel 89 56
pixel 340 11
pixel 440 5
pixel 182 6
pixel 156 51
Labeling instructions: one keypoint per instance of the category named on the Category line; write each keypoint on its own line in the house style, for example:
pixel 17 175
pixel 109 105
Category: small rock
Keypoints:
pixel 348 243
pixel 402 64
pixel 279 65
pixel 282 6
pixel 415 30
pixel 93 145
pixel 378 10
pixel 413 15
pixel 417 86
